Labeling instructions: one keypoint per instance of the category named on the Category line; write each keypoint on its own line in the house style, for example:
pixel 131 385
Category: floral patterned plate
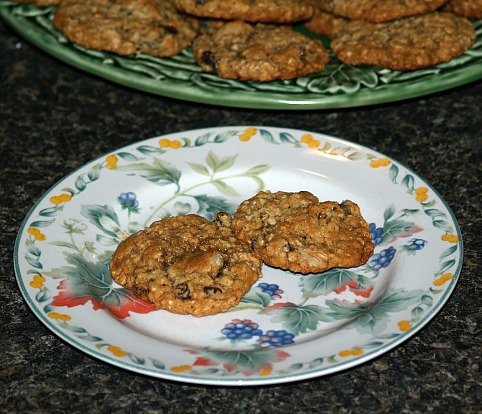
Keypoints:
pixel 337 86
pixel 288 327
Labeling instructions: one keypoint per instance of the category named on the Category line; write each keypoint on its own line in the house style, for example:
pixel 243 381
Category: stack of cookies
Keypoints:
pixel 190 265
pixel 246 40
pixel 396 34
pixel 253 40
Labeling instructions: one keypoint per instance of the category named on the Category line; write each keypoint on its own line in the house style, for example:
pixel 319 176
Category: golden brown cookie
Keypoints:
pixel 379 10
pixel 260 52
pixel 406 44
pixel 327 24
pixel 267 11
pixel 40 3
pixel 187 265
pixel 297 232
pixel 471 9
pixel 210 25
pixel 126 27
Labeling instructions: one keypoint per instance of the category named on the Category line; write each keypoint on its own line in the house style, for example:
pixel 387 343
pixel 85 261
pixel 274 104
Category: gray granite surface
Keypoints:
pixel 54 118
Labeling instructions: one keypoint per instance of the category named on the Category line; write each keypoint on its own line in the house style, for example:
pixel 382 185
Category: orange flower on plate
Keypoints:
pixel 181 368
pixel 37 281
pixel 36 233
pixel 451 238
pixel 117 351
pixel 382 162
pixel 246 135
pixel 59 316
pixel 405 325
pixel 111 161
pixel 351 352
pixel 62 198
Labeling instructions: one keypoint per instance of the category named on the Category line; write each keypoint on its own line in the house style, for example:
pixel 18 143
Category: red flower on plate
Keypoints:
pixel 88 281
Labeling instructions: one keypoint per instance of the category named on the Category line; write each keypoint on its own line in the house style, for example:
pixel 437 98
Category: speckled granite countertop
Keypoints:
pixel 54 119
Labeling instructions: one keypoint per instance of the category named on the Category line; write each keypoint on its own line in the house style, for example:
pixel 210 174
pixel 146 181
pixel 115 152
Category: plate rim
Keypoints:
pixel 245 381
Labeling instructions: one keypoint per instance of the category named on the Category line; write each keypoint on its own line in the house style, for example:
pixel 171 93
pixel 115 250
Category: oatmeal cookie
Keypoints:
pixel 267 11
pixel 40 3
pixel 126 27
pixel 210 25
pixel 406 44
pixel 297 232
pixel 379 10
pixel 187 265
pixel 327 24
pixel 260 52
pixel 471 9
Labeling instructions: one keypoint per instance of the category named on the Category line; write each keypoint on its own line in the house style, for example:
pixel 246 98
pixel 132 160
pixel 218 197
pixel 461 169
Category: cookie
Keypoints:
pixel 327 24
pixel 406 44
pixel 267 11
pixel 379 10
pixel 471 9
pixel 126 27
pixel 210 25
pixel 187 265
pixel 297 232
pixel 40 3
pixel 260 52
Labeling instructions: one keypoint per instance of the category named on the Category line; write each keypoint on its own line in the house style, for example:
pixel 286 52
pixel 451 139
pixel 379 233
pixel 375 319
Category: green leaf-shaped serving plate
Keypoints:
pixel 337 86
pixel 288 327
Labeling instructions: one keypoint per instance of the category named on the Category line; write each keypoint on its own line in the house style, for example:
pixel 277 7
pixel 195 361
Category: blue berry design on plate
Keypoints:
pixel 262 295
pixel 246 329
pixel 129 201
pixel 377 234
pixel 271 289
pixel 241 329
pixel 276 338
pixel 383 259
pixel 414 245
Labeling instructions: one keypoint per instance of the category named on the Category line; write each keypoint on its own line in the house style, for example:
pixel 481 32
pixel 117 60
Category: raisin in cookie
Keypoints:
pixel 126 27
pixel 260 52
pixel 187 265
pixel 379 10
pixel 406 44
pixel 267 11
pixel 471 9
pixel 297 232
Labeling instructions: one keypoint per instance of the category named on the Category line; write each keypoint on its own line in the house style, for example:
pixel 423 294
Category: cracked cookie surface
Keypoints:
pixel 471 9
pixel 260 52
pixel 267 11
pixel 126 27
pixel 407 44
pixel 327 24
pixel 297 232
pixel 379 10
pixel 187 265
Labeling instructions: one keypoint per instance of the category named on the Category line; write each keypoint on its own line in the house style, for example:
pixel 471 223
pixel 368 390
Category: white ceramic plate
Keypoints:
pixel 288 327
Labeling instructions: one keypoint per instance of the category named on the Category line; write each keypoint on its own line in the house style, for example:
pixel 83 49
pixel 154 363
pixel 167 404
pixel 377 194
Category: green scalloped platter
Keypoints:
pixel 288 327
pixel 338 86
